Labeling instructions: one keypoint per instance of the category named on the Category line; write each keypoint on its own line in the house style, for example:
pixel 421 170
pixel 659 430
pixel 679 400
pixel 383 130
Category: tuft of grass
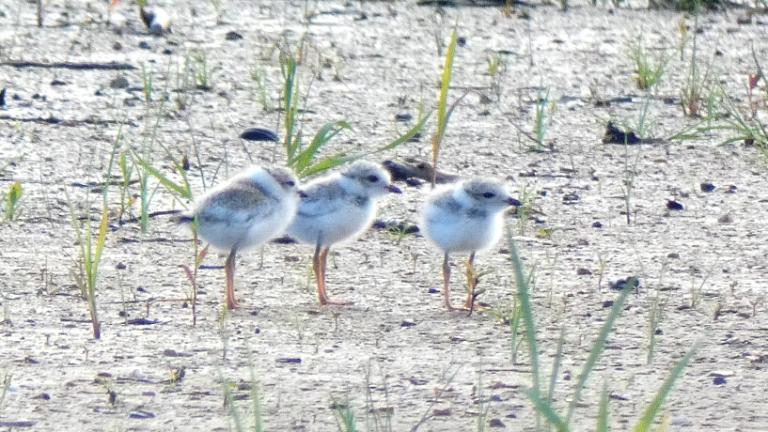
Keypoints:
pixel 90 253
pixel 649 415
pixel 229 387
pixel 648 70
pixel 543 405
pixel 201 72
pixel 345 417
pixel 12 201
pixel 305 160
pixel 126 172
pixel 542 118
pixel 696 90
pixel 259 77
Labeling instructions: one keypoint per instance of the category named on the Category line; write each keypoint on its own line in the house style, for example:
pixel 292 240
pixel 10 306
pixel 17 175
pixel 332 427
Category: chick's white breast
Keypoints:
pixel 455 230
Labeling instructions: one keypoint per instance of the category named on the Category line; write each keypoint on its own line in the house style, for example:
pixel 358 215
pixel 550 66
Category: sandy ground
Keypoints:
pixel 395 354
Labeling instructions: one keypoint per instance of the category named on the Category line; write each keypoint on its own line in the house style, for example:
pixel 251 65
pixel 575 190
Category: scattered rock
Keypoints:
pixel 597 224
pixel 581 271
pixel 614 135
pixel 117 46
pixel 719 380
pixel 673 255
pixel 289 360
pixel 141 415
pixel 145 45
pixel 437 412
pixel 433 291
pixel 607 304
pixel 496 423
pixel 707 187
pixel 120 82
pixel 725 219
pixel 731 189
pixel 43 396
pixel 141 321
pixel 674 205
pixel 259 134
pixel 628 282
pixel 58 82
pixel 2 97
pixel 417 381
pixel 407 324
pixel 404 117
pixel 571 198
pixel 120 266
pixel 174 353
pixel 233 36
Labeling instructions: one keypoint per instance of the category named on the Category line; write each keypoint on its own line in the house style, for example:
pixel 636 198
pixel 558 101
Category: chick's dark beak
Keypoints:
pixel 394 189
pixel 513 202
pixel 301 193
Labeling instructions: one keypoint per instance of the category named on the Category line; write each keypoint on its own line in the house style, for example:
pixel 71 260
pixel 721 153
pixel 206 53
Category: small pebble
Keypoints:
pixel 496 423
pixel 404 117
pixel 144 45
pixel 597 225
pixel 233 36
pixel 725 219
pixel 120 82
pixel 674 205
pixel 707 187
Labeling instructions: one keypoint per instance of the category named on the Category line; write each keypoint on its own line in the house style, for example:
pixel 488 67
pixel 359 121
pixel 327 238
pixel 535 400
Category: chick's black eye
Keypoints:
pixel 373 178
pixel 489 195
pixel 290 184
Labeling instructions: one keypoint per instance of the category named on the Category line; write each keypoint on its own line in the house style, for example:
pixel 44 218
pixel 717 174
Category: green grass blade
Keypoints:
pixel 597 348
pixel 325 164
pixel 322 137
pixel 169 184
pixel 646 421
pixel 445 83
pixel 556 367
pixel 526 312
pixel 545 409
pixel 402 139
pixel 602 412
pixel 442 103
pixel 231 408
pixel 100 240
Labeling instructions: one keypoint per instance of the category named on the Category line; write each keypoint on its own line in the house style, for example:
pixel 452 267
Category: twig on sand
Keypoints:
pixel 69 65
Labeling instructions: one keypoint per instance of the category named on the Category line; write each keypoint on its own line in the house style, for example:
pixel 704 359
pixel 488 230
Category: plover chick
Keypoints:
pixel 244 212
pixel 465 217
pixel 335 208
pixel 157 20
